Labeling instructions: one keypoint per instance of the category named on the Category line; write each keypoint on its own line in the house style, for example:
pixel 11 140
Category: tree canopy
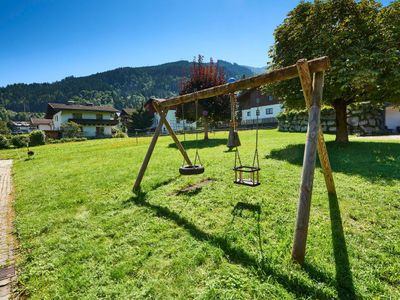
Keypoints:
pixel 203 76
pixel 361 39
pixel 140 119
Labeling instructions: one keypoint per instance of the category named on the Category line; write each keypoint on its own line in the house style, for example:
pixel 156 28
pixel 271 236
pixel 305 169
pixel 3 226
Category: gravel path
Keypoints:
pixel 7 241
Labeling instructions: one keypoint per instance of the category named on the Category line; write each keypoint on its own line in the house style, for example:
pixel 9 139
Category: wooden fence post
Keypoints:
pixel 306 85
pixel 307 178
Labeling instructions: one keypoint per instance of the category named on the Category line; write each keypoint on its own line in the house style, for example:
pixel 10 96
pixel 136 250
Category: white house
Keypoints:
pixel 175 123
pixel 251 100
pixel 42 124
pixel 392 118
pixel 96 121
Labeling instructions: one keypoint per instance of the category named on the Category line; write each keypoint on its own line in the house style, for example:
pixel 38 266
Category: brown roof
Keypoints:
pixel 127 111
pixel 35 121
pixel 53 108
pixel 248 99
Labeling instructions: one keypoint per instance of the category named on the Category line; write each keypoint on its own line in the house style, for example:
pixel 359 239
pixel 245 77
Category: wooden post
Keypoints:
pixel 171 132
pixel 306 84
pixel 146 160
pixel 307 178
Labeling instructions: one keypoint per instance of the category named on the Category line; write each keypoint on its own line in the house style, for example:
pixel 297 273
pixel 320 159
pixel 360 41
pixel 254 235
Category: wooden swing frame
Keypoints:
pixel 312 91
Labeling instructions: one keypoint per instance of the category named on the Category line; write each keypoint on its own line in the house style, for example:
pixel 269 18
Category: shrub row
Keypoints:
pixel 35 138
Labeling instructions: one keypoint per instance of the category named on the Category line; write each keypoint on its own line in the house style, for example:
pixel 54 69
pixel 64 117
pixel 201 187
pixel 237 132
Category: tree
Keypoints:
pixel 4 128
pixel 361 40
pixel 70 130
pixel 140 119
pixel 203 76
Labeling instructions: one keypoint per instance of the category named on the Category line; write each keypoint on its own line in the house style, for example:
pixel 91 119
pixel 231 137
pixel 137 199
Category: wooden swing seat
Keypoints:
pixel 191 170
pixel 253 180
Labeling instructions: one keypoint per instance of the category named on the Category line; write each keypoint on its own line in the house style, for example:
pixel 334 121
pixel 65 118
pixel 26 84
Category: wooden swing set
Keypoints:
pixel 311 74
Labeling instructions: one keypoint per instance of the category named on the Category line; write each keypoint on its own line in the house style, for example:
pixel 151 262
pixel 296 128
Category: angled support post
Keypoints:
pixel 307 178
pixel 306 85
pixel 136 186
pixel 163 119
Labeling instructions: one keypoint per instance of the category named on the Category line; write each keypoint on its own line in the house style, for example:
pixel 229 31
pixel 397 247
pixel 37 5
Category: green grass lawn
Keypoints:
pixel 83 234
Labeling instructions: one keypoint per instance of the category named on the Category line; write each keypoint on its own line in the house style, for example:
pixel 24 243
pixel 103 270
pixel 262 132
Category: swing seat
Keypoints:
pixel 252 180
pixel 191 170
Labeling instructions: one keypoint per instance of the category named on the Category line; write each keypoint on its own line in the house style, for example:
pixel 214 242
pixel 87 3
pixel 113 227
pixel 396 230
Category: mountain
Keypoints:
pixel 122 87
pixel 256 70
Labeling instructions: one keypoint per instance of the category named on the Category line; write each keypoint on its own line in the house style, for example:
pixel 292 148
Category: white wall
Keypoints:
pixel 392 117
pixel 44 127
pixel 172 120
pixel 276 109
pixel 88 131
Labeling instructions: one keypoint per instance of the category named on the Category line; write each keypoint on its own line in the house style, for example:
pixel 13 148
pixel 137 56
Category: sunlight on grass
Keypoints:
pixel 83 234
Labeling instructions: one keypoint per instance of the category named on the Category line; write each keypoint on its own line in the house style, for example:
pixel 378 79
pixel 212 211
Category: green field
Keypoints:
pixel 84 235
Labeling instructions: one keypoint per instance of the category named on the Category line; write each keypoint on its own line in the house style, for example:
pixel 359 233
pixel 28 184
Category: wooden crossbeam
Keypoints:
pixel 316 65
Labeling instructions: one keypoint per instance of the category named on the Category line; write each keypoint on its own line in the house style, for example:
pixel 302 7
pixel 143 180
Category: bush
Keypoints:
pixel 70 130
pixel 4 143
pixel 120 135
pixel 37 137
pixel 19 141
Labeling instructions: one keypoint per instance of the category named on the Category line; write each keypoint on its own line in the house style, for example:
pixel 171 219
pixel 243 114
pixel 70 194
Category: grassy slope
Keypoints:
pixel 84 235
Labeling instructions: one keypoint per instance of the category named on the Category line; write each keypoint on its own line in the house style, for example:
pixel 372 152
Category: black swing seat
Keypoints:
pixel 253 172
pixel 191 170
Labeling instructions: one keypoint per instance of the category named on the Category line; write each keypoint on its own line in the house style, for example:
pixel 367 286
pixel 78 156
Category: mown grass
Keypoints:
pixel 84 235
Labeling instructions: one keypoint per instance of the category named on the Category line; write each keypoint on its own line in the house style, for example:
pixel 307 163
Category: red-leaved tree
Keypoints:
pixel 211 110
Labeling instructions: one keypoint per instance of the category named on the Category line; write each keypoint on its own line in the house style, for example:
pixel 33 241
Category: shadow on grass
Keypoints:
pixel 371 160
pixel 200 143
pixel 344 277
pixel 237 255
pixel 255 209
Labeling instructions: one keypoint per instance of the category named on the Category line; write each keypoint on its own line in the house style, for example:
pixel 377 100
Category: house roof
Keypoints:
pixel 53 108
pixel 127 111
pixel 253 98
pixel 35 121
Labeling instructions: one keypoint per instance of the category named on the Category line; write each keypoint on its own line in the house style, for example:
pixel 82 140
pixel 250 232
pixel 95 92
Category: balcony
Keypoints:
pixel 94 122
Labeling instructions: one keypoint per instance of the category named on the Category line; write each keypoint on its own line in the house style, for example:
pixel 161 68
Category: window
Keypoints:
pixel 99 116
pixel 269 98
pixel 249 113
pixel 76 116
pixel 269 111
pixel 99 131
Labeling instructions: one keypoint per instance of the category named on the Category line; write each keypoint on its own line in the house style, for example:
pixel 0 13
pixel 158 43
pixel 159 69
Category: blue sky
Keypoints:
pixel 47 40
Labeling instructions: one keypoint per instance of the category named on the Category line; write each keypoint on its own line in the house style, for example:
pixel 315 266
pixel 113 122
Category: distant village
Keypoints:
pixel 100 121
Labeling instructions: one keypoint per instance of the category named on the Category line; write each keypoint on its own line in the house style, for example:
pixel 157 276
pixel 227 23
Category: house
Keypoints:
pixel 251 100
pixel 176 124
pixel 124 116
pixel 96 121
pixel 42 124
pixel 392 118
pixel 18 127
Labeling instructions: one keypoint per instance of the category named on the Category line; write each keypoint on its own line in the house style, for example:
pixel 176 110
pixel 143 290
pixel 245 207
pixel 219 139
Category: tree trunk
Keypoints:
pixel 205 124
pixel 342 135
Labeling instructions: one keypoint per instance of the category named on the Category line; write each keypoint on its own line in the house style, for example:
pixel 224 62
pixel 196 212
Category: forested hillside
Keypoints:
pixel 122 87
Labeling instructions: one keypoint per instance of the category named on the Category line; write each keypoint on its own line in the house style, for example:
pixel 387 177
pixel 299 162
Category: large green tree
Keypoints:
pixel 140 119
pixel 361 39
